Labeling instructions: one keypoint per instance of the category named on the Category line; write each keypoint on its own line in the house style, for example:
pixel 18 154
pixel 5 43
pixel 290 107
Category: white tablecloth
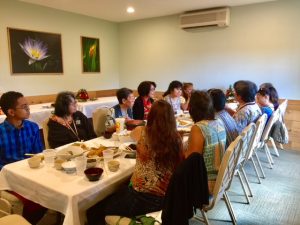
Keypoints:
pixel 87 108
pixel 40 112
pixel 69 194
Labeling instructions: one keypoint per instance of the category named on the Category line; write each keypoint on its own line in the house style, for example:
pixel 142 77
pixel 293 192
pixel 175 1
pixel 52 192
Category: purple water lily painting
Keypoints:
pixel 35 52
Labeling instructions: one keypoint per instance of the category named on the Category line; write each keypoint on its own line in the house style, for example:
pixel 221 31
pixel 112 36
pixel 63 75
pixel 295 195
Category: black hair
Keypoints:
pixel 201 106
pixel 144 88
pixel 218 97
pixel 174 84
pixel 274 98
pixel 246 89
pixel 123 93
pixel 62 102
pixel 9 100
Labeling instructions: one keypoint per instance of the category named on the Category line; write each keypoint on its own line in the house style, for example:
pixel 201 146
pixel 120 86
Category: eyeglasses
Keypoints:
pixel 24 107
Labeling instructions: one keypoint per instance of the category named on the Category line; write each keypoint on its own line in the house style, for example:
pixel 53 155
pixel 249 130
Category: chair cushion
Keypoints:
pixel 13 219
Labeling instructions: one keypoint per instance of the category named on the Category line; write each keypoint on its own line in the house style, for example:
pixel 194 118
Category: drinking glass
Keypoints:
pixel 80 162
pixel 49 156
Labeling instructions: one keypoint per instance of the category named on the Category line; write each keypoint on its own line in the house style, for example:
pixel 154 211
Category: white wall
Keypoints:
pixel 261 44
pixel 16 14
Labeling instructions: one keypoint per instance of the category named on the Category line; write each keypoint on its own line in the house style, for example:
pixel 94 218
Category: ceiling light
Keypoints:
pixel 130 9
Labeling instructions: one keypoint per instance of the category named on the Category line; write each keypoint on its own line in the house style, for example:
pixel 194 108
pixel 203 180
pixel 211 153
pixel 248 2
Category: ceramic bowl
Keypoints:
pixel 113 165
pixel 131 124
pixel 93 174
pixel 34 162
pixel 69 167
pixel 68 152
pixel 58 163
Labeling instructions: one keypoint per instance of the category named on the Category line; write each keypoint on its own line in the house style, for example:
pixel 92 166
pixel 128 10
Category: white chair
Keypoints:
pixel 263 143
pixel 246 138
pixel 13 220
pixel 99 118
pixel 224 179
pixel 10 204
pixel 282 108
pixel 45 133
pixel 260 125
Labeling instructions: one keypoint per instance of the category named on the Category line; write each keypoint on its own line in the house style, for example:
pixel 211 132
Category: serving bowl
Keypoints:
pixel 69 152
pixel 93 174
pixel 131 124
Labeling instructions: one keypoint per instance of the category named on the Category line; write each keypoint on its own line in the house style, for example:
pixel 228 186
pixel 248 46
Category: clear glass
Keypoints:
pixel 49 157
pixel 80 162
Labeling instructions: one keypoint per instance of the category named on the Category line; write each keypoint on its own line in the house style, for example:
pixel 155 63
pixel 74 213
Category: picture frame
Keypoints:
pixel 34 52
pixel 90 54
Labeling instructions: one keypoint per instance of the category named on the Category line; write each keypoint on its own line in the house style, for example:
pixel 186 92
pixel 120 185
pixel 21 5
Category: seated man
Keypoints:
pixel 17 137
pixel 126 100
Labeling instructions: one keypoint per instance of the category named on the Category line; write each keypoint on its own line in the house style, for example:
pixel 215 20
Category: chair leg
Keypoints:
pixel 268 155
pixel 281 146
pixel 243 186
pixel 274 147
pixel 229 207
pixel 204 218
pixel 260 166
pixel 255 169
pixel 247 182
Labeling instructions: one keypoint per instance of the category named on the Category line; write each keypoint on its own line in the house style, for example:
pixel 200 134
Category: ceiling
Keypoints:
pixel 115 10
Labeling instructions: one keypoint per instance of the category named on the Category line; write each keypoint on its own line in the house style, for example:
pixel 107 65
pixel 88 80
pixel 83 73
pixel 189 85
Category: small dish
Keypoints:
pixel 93 174
pixel 113 165
pixel 69 167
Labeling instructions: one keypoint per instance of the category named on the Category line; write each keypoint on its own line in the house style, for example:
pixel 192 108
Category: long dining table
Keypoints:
pixel 69 194
pixel 40 112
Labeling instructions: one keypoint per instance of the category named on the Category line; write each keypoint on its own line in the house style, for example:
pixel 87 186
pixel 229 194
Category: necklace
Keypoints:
pixel 74 131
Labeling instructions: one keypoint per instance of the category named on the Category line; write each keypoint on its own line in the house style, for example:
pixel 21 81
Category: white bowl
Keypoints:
pixel 69 167
pixel 68 152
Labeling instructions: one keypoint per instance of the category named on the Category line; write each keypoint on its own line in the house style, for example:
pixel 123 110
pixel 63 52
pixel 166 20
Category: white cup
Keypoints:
pixel 80 162
pixel 49 156
pixel 108 155
pixel 120 122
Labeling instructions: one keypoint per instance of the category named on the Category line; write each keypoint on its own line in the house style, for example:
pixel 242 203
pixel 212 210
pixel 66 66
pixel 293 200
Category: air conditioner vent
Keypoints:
pixel 208 17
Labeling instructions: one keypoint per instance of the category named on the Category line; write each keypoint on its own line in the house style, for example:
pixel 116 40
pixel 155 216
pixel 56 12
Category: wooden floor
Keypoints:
pixel 276 201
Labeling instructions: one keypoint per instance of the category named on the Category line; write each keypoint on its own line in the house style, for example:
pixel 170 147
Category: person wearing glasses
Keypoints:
pixel 19 136
pixel 68 125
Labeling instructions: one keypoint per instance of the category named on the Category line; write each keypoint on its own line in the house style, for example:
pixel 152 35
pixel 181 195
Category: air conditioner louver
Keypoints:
pixel 209 17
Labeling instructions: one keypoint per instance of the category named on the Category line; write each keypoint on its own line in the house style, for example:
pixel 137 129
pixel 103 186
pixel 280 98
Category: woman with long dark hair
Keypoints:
pixel 159 151
pixel 208 135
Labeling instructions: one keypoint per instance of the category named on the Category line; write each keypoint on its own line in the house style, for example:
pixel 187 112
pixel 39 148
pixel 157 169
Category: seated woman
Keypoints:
pixel 219 100
pixel 273 94
pixel 263 100
pixel 67 124
pixel 159 151
pixel 187 89
pixel 248 111
pixel 126 100
pixel 143 103
pixel 173 96
pixel 208 136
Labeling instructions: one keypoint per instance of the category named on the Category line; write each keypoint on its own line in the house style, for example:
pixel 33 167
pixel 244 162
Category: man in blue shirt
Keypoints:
pixel 17 135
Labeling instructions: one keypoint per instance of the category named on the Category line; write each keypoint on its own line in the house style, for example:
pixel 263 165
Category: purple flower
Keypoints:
pixel 35 49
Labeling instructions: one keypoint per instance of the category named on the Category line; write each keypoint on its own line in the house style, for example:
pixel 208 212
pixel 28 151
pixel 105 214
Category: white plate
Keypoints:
pixel 184 123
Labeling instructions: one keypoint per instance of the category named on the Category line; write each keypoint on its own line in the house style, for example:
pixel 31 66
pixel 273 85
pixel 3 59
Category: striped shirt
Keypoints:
pixel 14 143
pixel 231 128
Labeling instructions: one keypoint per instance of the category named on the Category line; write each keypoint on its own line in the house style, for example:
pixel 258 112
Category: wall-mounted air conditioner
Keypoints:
pixel 207 17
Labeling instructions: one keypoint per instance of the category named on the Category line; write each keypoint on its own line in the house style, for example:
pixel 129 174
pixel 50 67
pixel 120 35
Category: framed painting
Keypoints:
pixel 34 52
pixel 90 56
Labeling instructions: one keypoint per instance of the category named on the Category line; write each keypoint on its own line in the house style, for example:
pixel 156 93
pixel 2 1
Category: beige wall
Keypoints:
pixel 261 44
pixel 71 26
